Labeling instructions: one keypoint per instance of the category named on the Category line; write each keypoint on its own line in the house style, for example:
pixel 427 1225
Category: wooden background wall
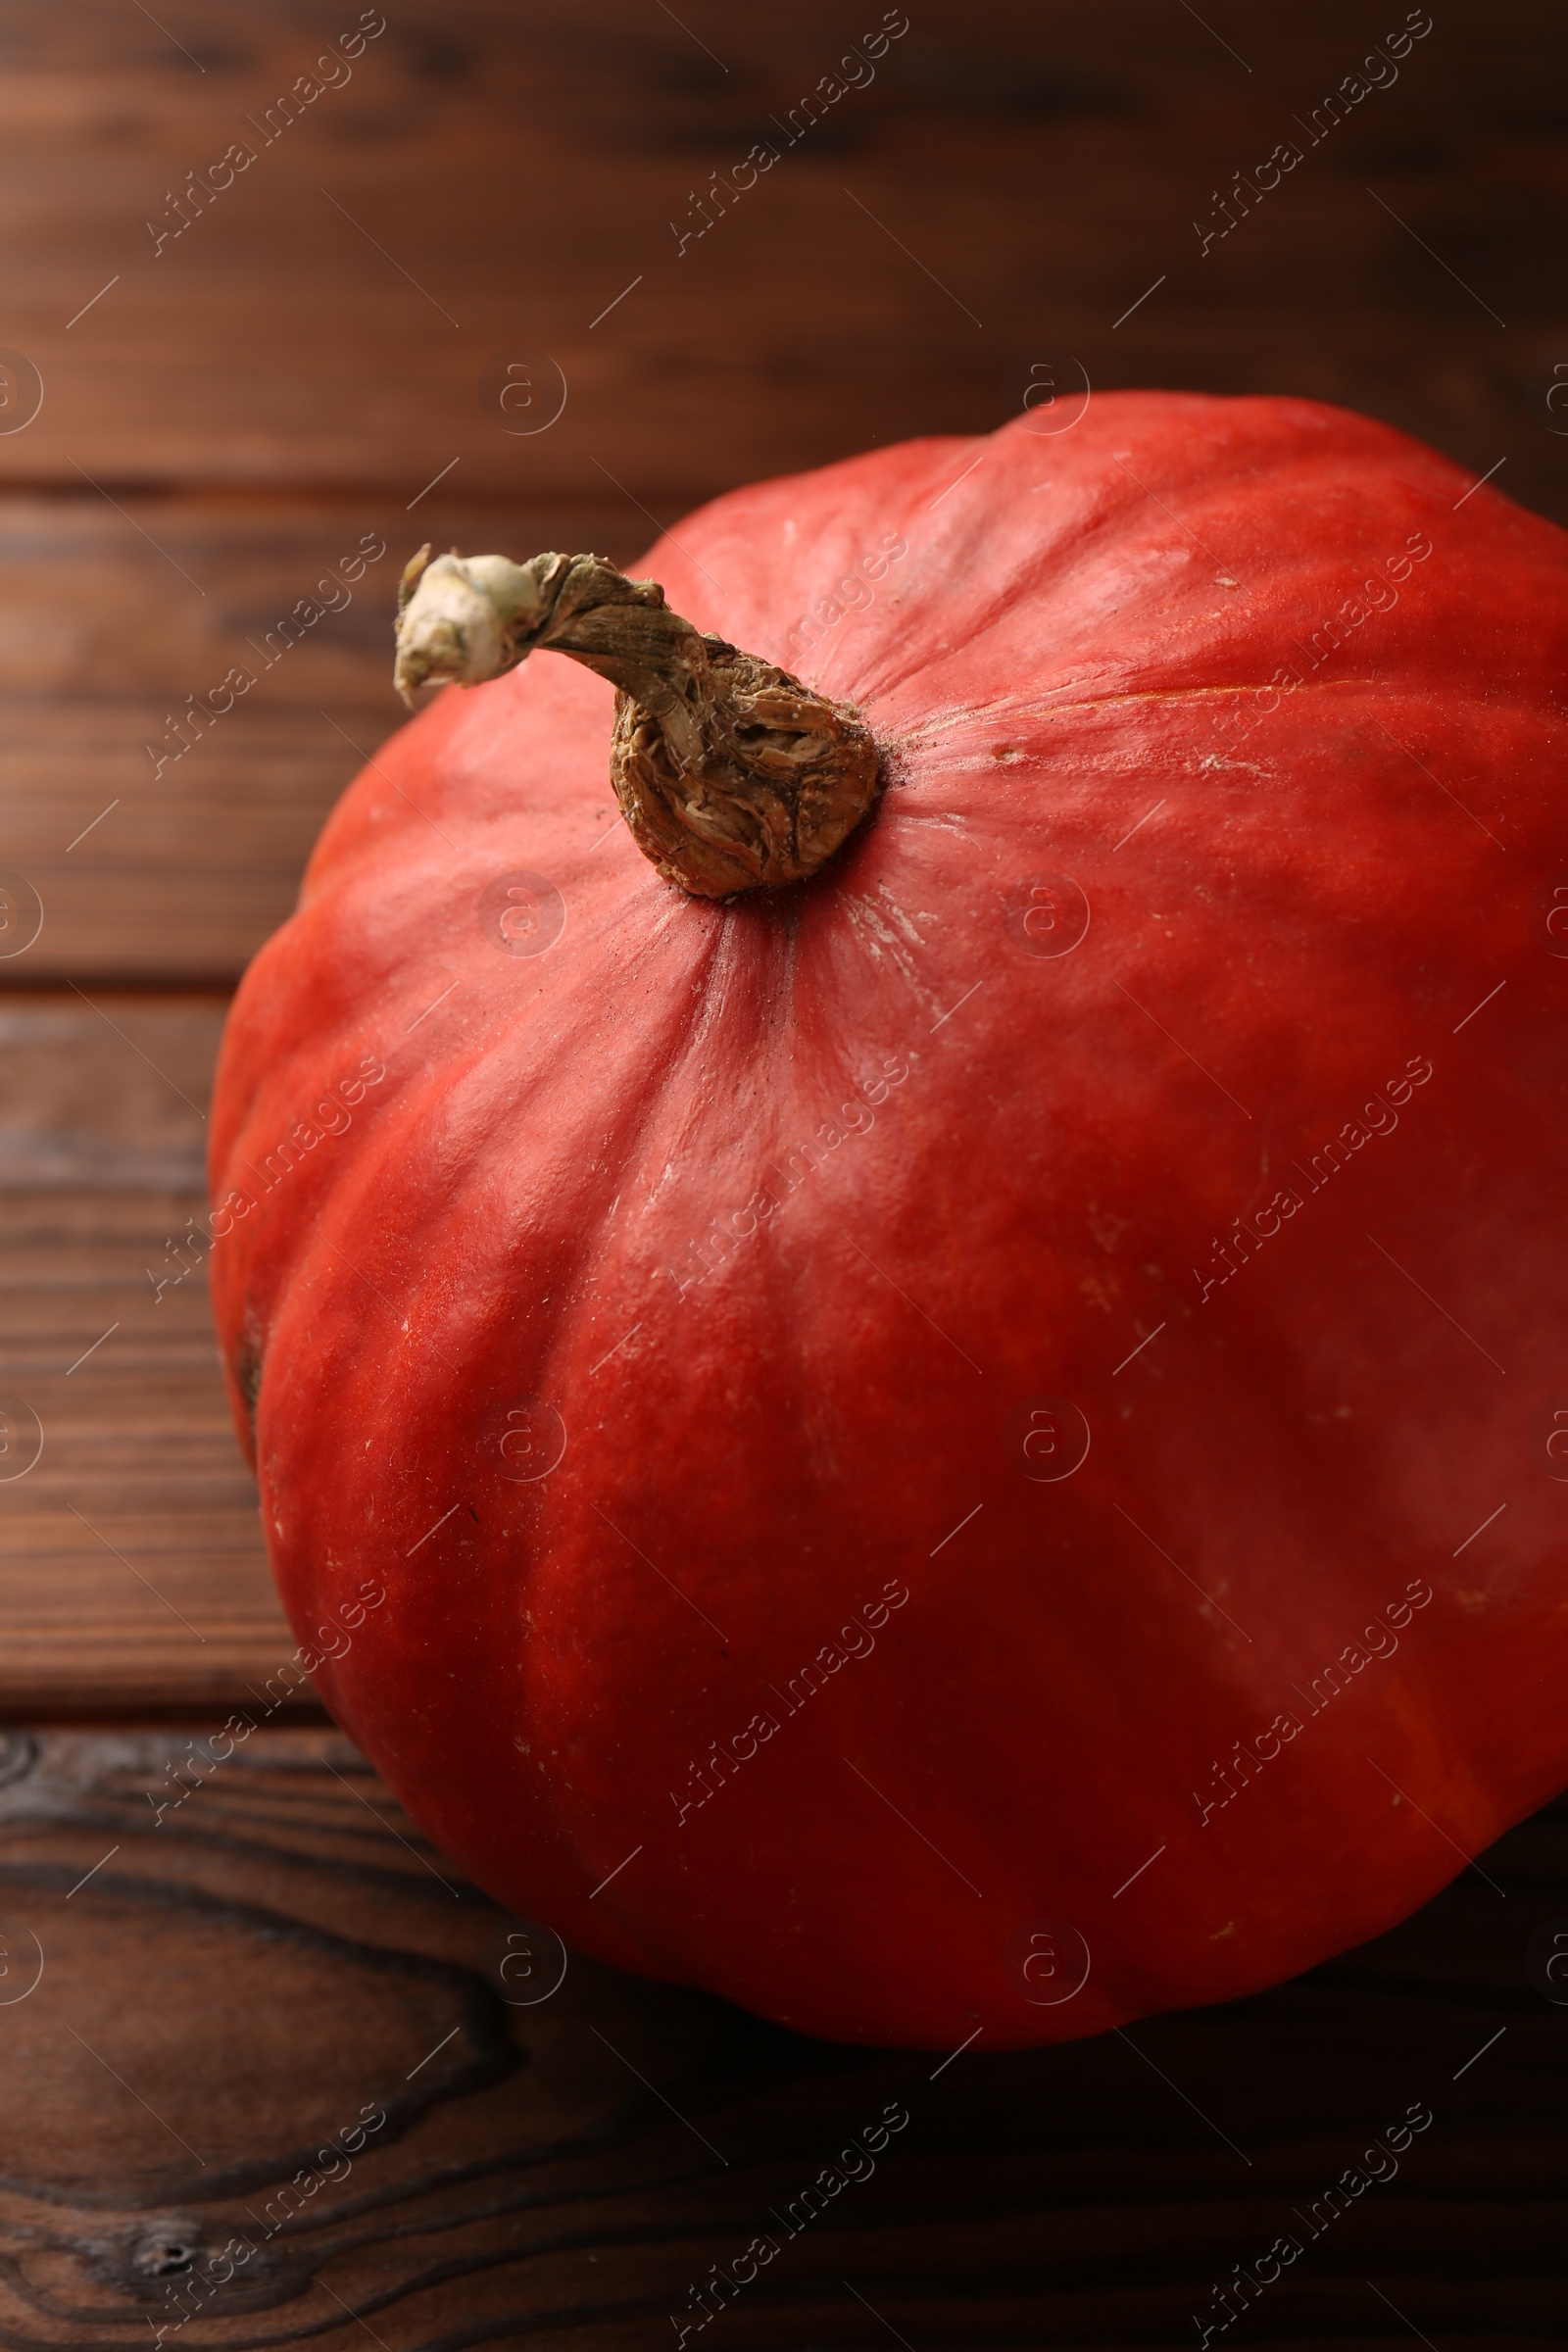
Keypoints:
pixel 310 365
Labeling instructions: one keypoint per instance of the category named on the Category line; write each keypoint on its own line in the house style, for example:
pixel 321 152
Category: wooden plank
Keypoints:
pixel 106 1093
pixel 155 842
pixel 132 1573
pixel 1009 180
pixel 275 1981
pixel 999 189
pixel 230 1983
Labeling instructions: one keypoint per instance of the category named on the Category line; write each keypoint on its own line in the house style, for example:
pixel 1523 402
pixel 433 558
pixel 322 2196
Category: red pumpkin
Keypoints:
pixel 976 1441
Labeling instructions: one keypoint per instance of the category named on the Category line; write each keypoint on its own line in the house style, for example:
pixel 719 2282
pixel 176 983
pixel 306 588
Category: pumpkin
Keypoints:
pixel 926 1386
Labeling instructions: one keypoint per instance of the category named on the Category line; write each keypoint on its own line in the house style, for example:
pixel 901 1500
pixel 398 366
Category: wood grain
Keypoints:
pixel 158 843
pixel 132 1573
pixel 1004 193
pixel 227 1984
pixel 1011 179
pixel 278 1956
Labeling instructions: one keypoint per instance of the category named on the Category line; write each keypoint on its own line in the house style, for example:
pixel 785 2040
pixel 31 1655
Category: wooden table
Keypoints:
pixel 275 1980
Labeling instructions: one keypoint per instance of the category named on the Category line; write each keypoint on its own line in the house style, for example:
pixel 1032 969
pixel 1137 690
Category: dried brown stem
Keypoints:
pixel 731 774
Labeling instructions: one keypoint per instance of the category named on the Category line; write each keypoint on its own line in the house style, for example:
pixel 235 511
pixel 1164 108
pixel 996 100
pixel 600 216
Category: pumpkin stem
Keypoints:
pixel 731 774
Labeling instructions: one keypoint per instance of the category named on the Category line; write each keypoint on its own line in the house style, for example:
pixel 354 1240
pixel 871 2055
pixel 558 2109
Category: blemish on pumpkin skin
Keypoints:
pixel 906 924
pixel 876 934
pixel 247 1369
pixel 1107 1229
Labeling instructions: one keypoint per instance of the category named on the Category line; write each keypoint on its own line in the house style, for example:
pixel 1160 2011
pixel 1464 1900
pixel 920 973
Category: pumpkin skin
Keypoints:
pixel 1307 780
